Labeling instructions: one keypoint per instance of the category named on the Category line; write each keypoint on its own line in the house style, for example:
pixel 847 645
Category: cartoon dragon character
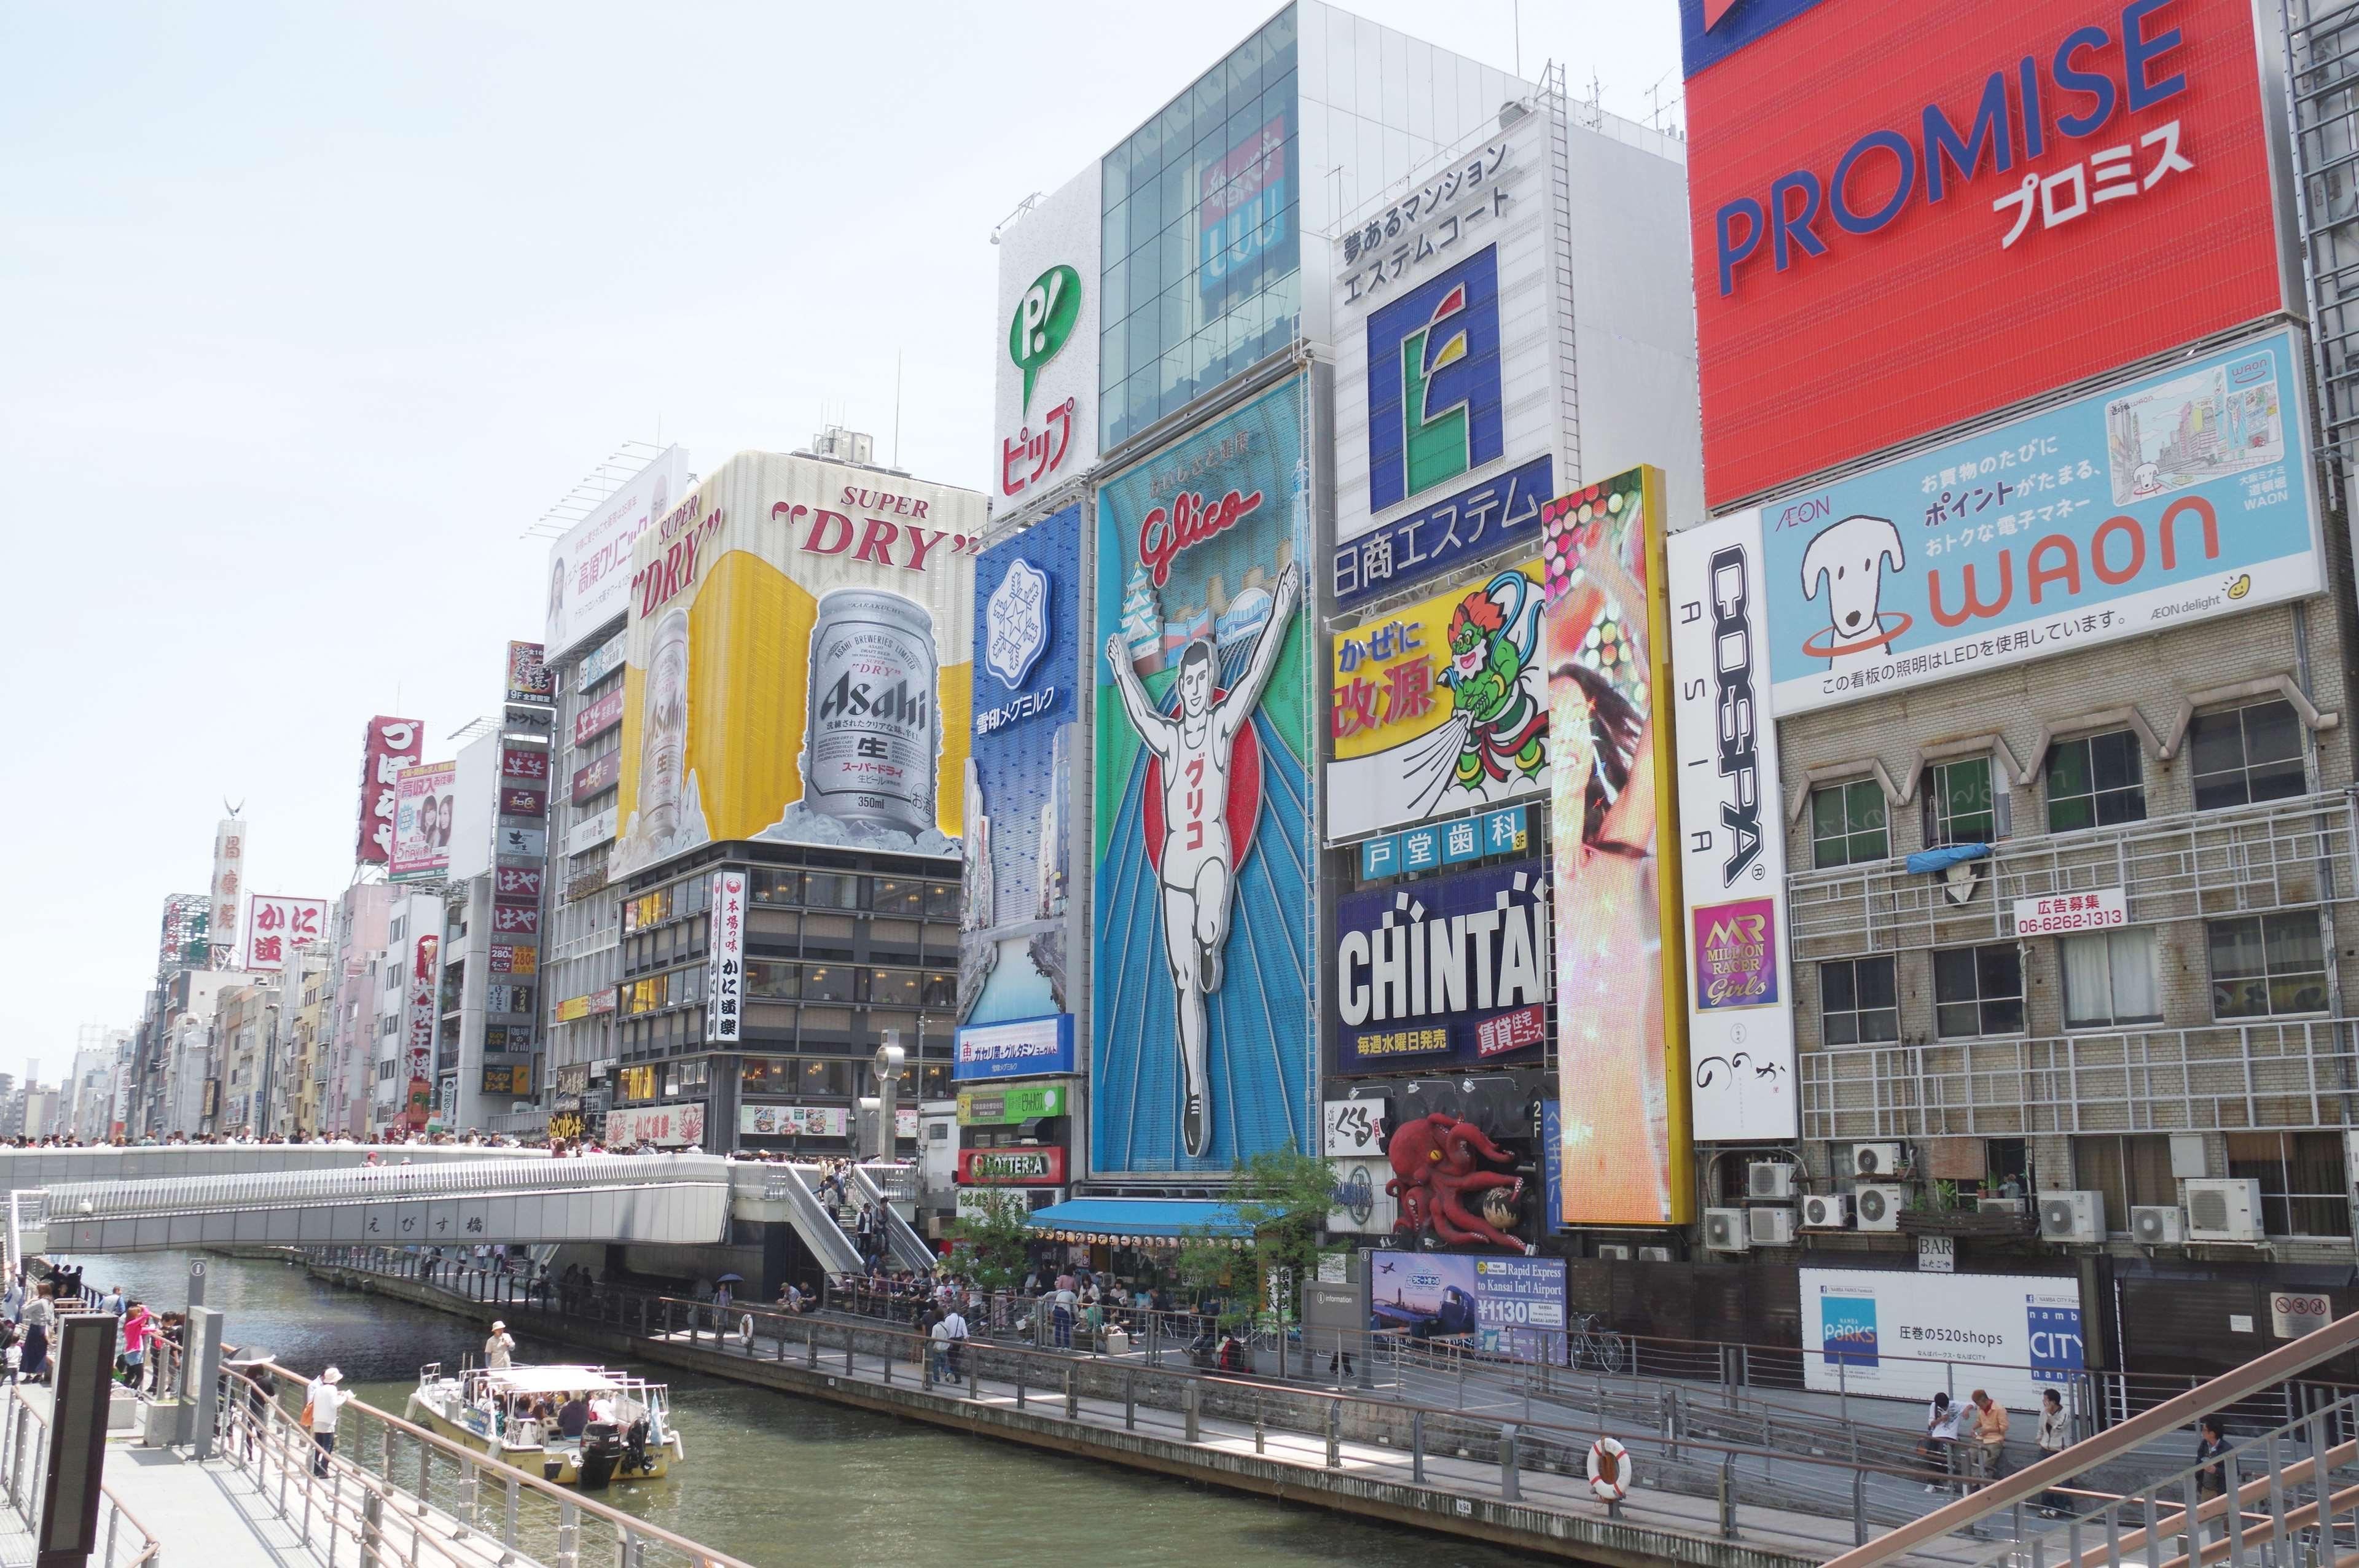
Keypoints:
pixel 1491 647
pixel 1433 1159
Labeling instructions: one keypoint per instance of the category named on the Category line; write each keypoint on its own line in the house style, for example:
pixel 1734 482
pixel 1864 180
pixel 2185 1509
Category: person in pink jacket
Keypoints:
pixel 138 1329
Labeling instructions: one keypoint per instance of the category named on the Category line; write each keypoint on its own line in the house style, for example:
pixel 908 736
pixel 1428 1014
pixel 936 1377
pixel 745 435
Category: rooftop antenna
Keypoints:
pixel 1518 7
pixel 896 407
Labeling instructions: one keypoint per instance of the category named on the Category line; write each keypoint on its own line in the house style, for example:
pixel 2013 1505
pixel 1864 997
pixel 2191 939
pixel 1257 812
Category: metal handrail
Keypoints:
pixel 375 1183
pixel 20 1483
pixel 909 1249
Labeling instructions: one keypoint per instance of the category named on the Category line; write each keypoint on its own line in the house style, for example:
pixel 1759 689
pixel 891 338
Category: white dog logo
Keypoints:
pixel 1847 559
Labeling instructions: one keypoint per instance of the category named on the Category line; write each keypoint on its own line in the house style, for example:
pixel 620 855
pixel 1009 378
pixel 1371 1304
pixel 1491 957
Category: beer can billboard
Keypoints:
pixel 1203 1038
pixel 799 663
pixel 1620 969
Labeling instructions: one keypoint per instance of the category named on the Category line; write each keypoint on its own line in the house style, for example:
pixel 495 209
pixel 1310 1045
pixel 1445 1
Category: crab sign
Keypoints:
pixel 1436 1177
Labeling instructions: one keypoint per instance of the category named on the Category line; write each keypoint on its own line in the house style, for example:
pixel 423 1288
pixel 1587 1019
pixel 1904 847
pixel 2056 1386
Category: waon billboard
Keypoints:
pixel 1904 217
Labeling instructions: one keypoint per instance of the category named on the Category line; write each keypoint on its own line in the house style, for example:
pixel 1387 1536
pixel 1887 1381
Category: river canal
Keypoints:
pixel 788 1483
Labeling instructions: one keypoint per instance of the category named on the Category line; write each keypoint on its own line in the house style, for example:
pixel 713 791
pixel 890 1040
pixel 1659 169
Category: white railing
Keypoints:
pixel 376 1184
pixel 123 1540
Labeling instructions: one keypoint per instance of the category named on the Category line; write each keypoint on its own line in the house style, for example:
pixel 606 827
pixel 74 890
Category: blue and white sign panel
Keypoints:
pixel 1887 1331
pixel 2181 496
pixel 1511 1304
pixel 1029 1047
pixel 1443 844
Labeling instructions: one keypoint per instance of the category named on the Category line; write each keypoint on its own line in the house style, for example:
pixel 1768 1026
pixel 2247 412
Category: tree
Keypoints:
pixel 1283 1196
pixel 991 1233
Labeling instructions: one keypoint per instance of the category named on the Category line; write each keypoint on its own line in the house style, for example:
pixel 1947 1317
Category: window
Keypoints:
pixel 831 889
pixel 1848 824
pixel 1858 1002
pixel 2095 781
pixel 934 1081
pixel 2132 1172
pixel 827 982
pixel 2109 978
pixel 824 1076
pixel 2247 754
pixel 776 981
pixel 897 897
pixel 2305 1190
pixel 1960 806
pixel 942 901
pixel 1978 991
pixel 941 990
pixel 2266 965
pixel 777 887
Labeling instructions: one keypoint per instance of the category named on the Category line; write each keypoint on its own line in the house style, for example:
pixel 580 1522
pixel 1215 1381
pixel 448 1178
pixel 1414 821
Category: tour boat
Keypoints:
pixel 491 1411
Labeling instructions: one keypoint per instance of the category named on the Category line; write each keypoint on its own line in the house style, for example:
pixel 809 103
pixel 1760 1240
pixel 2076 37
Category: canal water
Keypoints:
pixel 788 1483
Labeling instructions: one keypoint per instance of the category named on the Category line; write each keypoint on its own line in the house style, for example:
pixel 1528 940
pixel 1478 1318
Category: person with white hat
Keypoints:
pixel 322 1402
pixel 496 1349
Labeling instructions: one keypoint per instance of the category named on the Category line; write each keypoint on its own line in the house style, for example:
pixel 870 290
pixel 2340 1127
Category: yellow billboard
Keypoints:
pixel 799 661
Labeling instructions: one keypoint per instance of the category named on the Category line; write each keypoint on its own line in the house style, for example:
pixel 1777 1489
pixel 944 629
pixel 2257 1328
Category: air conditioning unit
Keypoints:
pixel 1826 1211
pixel 1770 1227
pixel 1998 1206
pixel 2157 1225
pixel 1770 1179
pixel 1615 1251
pixel 1879 1205
pixel 1724 1230
pixel 2222 1210
pixel 1876 1159
pixel 1654 1254
pixel 2072 1216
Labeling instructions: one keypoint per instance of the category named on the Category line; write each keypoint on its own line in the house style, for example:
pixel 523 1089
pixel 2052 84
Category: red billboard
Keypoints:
pixel 1024 1166
pixel 1905 217
pixel 388 746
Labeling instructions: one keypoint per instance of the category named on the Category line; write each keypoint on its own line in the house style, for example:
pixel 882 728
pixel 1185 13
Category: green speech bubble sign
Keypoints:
pixel 1044 320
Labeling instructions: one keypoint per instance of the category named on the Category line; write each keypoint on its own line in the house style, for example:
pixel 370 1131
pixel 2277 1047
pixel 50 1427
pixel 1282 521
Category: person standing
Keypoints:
pixel 499 1349
pixel 1061 1312
pixel 953 1326
pixel 2211 1479
pixel 40 1322
pixel 2054 1434
pixel 1990 1434
pixel 1940 1438
pixel 324 1401
pixel 135 1325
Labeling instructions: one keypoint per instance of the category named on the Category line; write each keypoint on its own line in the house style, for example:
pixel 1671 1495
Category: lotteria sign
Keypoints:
pixel 1904 217
pixel 1043 1167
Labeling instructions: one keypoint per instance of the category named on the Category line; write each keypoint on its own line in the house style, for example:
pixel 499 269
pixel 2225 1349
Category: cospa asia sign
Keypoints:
pixel 1906 216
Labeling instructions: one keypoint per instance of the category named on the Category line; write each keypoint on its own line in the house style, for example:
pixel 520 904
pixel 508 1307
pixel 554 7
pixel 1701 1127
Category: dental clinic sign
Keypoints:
pixel 2179 496
pixel 1948 208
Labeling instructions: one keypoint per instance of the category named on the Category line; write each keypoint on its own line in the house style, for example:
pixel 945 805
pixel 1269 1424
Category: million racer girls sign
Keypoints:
pixel 1201 837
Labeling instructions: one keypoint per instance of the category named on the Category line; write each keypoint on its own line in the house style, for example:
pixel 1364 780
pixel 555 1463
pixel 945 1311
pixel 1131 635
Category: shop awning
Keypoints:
pixel 1121 1220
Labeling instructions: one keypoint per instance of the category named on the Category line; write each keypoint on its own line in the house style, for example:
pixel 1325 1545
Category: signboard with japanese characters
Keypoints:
pixel 1907 217
pixel 509 958
pixel 1450 367
pixel 1439 706
pixel 1452 972
pixel 1045 406
pixel 528 675
pixel 276 926
pixel 425 801
pixel 387 746
pixel 596 718
pixel 1732 842
pixel 794 1121
pixel 590 569
pixel 725 956
pixel 1355 1127
pixel 2179 496
pixel 419 1017
pixel 2058 913
pixel 1444 844
pixel 665 1126
pixel 596 776
pixel 229 882
pixel 519 884
pixel 524 764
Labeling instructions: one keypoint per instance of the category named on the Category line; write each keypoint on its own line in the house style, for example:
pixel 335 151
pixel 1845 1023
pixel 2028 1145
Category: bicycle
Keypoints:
pixel 1589 1338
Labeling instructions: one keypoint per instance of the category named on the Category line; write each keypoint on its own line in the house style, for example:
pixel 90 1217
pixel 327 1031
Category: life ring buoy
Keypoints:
pixel 1610 1470
pixel 746 1330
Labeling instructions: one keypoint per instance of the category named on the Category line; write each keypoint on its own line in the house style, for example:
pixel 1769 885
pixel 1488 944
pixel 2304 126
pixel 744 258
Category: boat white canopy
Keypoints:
pixel 555 1381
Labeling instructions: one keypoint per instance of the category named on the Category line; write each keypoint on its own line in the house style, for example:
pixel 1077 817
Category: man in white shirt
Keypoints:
pixel 325 1400
pixel 952 1336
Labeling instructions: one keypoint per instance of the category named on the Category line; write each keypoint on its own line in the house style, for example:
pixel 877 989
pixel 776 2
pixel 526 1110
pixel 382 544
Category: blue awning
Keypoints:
pixel 1103 1218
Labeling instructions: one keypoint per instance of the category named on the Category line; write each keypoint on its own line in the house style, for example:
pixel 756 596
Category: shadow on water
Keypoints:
pixel 787 1483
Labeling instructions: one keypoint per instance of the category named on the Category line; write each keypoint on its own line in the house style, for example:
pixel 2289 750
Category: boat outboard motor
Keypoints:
pixel 601 1451
pixel 635 1456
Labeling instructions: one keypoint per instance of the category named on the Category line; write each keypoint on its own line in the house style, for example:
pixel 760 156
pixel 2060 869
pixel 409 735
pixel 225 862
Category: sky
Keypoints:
pixel 309 311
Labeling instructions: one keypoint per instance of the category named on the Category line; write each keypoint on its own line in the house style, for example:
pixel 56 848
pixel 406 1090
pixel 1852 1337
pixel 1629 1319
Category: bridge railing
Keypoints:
pixel 123 1542
pixel 375 1183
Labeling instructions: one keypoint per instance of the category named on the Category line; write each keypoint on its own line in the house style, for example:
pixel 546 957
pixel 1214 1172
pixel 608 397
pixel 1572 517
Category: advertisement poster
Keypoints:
pixel 1988 200
pixel 1045 393
pixel 1886 1331
pixel 1619 968
pixel 725 957
pixel 387 746
pixel 528 681
pixel 1510 1305
pixel 2182 496
pixel 793 1120
pixel 590 567
pixel 1013 917
pixel 422 809
pixel 1438 708
pixel 276 926
pixel 1203 1038
pixel 798 669
pixel 420 1019
pixel 1740 983
pixel 1022 1047
pixel 665 1126
pixel 1450 972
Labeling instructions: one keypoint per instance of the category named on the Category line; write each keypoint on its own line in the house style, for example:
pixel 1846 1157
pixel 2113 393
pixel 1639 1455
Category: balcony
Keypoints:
pixel 2285 854
pixel 2223 1077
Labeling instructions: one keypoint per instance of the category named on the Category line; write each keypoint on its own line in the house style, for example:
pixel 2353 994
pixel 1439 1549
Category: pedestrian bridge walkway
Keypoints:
pixel 49 1167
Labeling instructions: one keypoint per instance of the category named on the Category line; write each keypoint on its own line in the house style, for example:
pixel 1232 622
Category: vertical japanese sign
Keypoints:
pixel 422 1015
pixel 424 798
pixel 1045 408
pixel 276 926
pixel 1623 1084
pixel 725 956
pixel 229 885
pixel 1203 1041
pixel 387 746
pixel 528 674
pixel 1732 842
pixel 1439 706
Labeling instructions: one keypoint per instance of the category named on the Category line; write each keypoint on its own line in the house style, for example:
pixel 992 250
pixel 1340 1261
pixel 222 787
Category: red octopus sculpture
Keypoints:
pixel 1434 1161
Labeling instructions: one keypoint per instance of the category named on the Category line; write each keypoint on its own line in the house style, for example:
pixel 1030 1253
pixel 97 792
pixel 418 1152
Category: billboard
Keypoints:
pixel 186 941
pixel 1451 384
pixel 798 669
pixel 422 802
pixel 276 925
pixel 1623 1085
pixel 1514 1305
pixel 387 746
pixel 1202 832
pixel 1021 1165
pixel 1013 918
pixel 590 567
pixel 229 885
pixel 2182 495
pixel 1450 972
pixel 1439 706
pixel 1022 1047
pixel 793 1121
pixel 1985 201
pixel 725 957
pixel 419 1018
pixel 1045 393
pixel 1880 1331
pixel 1740 983
pixel 665 1126
pixel 528 680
